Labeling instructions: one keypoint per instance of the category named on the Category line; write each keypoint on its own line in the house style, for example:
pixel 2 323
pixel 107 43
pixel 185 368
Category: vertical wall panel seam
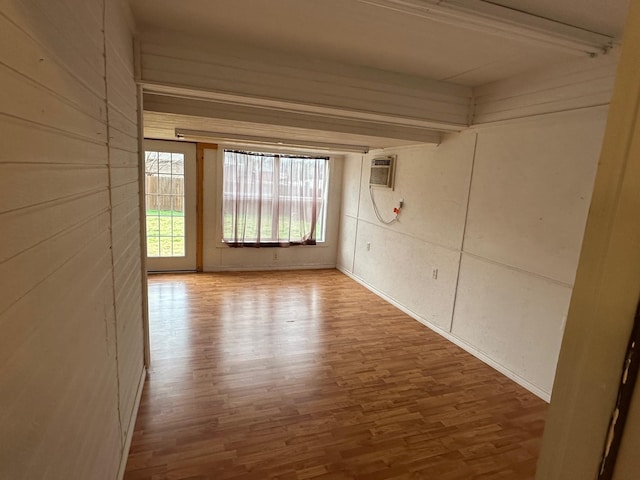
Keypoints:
pixel 464 233
pixel 113 270
pixel 355 237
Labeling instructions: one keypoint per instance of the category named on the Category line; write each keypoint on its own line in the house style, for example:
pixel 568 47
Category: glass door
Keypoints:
pixel 170 201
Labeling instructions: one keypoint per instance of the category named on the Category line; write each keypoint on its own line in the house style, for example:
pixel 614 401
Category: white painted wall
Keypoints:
pixel 506 261
pixel 122 115
pixel 70 313
pixel 218 257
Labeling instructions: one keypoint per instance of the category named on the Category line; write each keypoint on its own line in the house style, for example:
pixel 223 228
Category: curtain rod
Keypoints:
pixel 264 154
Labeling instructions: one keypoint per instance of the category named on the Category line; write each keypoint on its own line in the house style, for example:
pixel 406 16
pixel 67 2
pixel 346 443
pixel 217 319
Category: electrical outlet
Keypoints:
pixel 275 255
pixel 368 246
pixel 434 273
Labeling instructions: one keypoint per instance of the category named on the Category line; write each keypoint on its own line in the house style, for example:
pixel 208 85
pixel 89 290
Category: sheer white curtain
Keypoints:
pixel 273 199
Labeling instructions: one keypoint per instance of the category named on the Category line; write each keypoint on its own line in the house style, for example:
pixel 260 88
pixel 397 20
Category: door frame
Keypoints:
pixel 188 261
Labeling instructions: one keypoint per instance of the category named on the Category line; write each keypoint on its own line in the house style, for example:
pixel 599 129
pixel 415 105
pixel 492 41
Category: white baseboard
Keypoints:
pixel 132 424
pixel 263 268
pixel 546 396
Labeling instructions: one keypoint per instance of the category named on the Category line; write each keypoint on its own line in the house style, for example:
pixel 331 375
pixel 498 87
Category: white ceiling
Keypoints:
pixel 359 33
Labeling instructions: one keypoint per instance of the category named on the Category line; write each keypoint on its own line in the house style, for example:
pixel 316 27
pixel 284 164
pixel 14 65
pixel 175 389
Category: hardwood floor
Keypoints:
pixel 308 375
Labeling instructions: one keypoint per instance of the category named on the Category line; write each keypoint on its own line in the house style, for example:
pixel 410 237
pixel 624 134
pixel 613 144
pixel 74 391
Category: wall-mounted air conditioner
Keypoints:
pixel 382 172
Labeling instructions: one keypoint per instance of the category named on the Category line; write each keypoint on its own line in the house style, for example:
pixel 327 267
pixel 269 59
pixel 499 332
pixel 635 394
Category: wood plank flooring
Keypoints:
pixel 308 375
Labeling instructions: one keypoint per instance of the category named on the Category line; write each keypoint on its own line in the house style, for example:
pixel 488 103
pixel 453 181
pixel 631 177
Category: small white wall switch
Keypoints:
pixel 368 246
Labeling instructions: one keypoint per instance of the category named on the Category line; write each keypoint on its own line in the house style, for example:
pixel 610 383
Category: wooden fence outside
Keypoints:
pixel 164 193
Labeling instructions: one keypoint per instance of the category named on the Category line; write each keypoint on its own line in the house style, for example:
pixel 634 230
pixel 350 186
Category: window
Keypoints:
pixel 164 194
pixel 271 199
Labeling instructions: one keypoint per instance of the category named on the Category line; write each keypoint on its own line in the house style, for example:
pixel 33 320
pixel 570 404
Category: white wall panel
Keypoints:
pixel 399 260
pixel 529 194
pixel 58 356
pixel 33 62
pixel 402 267
pixel 53 181
pixel 61 40
pixel 275 258
pixel 349 205
pixel 46 145
pixel 125 177
pixel 20 274
pixel 122 131
pixel 122 159
pixel 531 190
pixel 433 181
pixel 351 172
pixel 22 98
pixel 347 236
pixel 125 220
pixel 119 82
pixel 513 317
pixel 25 228
pixel 70 313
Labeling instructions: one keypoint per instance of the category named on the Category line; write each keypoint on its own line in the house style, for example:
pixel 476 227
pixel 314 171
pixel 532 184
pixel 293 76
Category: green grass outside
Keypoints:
pixel 265 227
pixel 165 233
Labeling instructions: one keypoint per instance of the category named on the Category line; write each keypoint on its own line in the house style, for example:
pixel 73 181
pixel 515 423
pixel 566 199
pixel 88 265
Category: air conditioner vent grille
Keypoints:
pixel 382 172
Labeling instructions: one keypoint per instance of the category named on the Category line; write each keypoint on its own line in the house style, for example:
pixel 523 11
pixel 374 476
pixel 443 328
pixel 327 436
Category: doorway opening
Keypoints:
pixel 170 205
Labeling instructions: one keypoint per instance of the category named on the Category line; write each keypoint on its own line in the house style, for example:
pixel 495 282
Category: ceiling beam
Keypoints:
pixel 207 108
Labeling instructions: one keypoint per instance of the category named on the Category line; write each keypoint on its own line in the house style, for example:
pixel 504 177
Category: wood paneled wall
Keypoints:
pixel 125 220
pixel 70 313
